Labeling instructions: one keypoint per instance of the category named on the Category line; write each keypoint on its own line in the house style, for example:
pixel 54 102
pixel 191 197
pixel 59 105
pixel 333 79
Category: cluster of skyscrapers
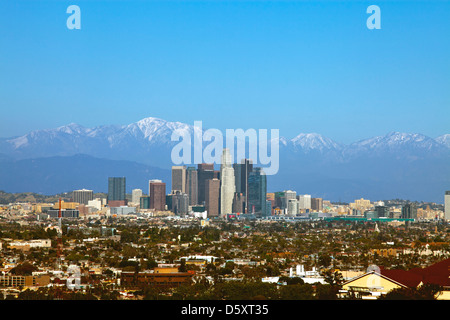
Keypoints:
pixel 236 188
pixel 233 189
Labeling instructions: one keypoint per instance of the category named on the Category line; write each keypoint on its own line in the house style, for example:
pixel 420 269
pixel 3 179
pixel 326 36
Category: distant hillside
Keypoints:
pixel 54 175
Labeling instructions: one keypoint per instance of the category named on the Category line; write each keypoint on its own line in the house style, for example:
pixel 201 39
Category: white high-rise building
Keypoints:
pixel 227 185
pixel 288 194
pixel 292 207
pixel 96 203
pixel 447 205
pixel 136 195
pixel 304 201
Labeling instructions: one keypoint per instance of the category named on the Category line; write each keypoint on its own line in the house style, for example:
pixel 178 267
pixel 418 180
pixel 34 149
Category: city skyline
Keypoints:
pixel 85 155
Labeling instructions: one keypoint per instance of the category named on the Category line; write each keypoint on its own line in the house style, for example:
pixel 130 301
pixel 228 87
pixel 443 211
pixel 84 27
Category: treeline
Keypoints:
pixel 245 290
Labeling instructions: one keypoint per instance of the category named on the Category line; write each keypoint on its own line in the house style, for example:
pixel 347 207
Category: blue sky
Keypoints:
pixel 299 66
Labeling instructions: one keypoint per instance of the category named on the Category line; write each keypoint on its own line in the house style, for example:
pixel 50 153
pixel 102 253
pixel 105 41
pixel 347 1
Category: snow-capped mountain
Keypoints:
pixel 406 144
pixel 154 130
pixel 444 140
pixel 379 167
pixel 149 140
pixel 146 141
pixel 394 140
pixel 149 129
pixel 314 141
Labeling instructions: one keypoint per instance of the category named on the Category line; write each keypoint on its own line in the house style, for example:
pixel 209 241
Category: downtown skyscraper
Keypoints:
pixel 179 179
pixel 205 172
pixel 192 185
pixel 116 191
pixel 157 193
pixel 257 191
pixel 241 173
pixel 227 183
pixel 212 194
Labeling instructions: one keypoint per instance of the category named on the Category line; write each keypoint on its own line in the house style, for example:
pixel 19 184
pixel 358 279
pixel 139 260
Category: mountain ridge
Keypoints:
pixel 156 131
pixel 403 165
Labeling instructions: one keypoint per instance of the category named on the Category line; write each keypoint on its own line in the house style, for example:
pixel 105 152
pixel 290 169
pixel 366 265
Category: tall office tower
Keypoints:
pixel 238 202
pixel 270 197
pixel 83 196
pixel 409 211
pixel 292 207
pixel 144 202
pixel 116 191
pixel 278 199
pixel 316 204
pixel 157 193
pixel 179 179
pixel 447 205
pixel 227 186
pixel 212 194
pixel 304 201
pixel 257 190
pixel 288 195
pixel 192 185
pixel 180 203
pixel 169 202
pixel 382 211
pixel 136 195
pixel 241 173
pixel 205 172
pixel 269 206
pixel 237 177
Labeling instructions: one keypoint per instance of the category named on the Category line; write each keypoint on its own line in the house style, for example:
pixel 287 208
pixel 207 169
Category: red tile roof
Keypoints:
pixel 404 277
pixel 438 273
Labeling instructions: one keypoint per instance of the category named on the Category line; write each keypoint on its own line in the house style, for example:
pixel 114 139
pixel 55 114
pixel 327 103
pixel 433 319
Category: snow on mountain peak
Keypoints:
pixel 71 128
pixel 314 141
pixel 154 128
pixel 152 131
pixel 397 141
pixel 444 140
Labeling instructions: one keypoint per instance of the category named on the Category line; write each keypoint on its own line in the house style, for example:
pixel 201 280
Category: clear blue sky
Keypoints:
pixel 300 66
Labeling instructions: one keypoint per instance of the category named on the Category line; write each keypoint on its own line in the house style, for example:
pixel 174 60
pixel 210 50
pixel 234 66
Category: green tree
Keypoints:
pixel 291 280
pixel 332 277
pixel 324 260
pixel 297 292
pixel 326 292
pixel 182 267
pixel 24 269
pixel 424 292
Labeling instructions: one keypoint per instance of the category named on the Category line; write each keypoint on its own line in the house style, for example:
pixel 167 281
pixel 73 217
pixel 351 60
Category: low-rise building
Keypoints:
pixel 158 277
pixel 27 245
pixel 24 281
pixel 375 283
